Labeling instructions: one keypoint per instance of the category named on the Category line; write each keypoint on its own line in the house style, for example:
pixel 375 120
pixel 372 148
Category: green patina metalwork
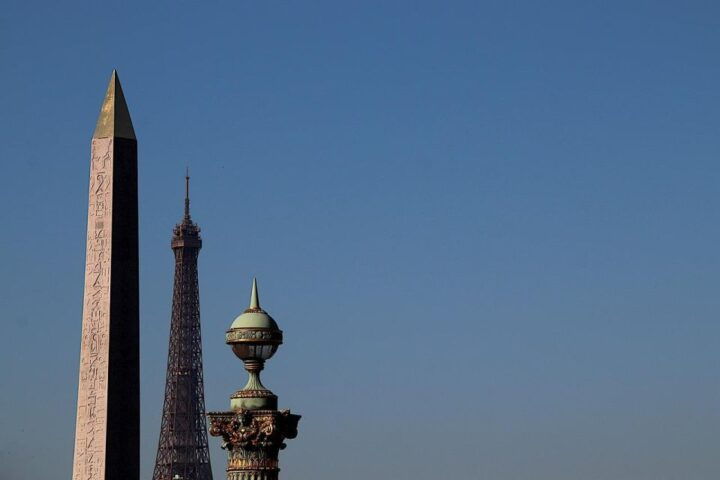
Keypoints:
pixel 254 430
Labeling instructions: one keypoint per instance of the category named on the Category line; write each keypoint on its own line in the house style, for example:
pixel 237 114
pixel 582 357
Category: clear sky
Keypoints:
pixel 489 230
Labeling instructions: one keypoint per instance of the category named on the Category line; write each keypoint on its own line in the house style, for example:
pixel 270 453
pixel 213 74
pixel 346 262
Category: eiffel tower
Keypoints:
pixel 183 448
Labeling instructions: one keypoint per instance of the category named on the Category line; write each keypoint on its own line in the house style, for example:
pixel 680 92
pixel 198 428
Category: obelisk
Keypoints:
pixel 107 431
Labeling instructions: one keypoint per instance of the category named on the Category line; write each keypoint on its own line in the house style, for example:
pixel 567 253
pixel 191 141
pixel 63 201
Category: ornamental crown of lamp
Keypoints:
pixel 254 431
pixel 254 337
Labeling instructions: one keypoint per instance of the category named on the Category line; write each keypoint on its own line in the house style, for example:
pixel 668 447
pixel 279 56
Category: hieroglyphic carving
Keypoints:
pixel 91 425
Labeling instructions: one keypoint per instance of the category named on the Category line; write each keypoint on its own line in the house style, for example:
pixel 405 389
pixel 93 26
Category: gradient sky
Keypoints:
pixel 489 230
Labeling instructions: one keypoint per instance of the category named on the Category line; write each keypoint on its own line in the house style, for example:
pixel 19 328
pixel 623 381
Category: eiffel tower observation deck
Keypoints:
pixel 183 447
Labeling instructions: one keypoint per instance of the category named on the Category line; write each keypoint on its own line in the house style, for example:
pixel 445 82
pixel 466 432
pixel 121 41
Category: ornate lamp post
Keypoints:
pixel 254 430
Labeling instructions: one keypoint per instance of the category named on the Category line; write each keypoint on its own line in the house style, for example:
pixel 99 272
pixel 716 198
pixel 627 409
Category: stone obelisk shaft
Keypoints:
pixel 107 440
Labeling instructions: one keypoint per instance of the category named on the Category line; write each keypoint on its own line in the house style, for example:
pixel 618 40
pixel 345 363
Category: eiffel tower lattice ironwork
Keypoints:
pixel 183 447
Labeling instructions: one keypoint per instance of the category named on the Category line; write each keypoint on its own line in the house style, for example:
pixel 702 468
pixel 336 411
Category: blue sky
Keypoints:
pixel 489 230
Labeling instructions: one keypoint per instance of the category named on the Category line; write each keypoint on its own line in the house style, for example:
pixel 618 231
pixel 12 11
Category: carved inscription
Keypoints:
pixel 90 428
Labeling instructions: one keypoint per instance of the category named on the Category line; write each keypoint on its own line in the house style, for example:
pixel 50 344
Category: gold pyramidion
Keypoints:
pixel 114 119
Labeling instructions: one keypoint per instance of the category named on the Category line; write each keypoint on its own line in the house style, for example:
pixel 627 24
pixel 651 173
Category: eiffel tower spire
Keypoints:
pixel 187 194
pixel 183 446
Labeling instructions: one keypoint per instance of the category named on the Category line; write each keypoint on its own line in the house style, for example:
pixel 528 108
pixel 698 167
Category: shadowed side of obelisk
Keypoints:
pixel 107 440
pixel 123 455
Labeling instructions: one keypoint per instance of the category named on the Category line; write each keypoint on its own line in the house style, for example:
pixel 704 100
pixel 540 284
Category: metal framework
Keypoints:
pixel 183 446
